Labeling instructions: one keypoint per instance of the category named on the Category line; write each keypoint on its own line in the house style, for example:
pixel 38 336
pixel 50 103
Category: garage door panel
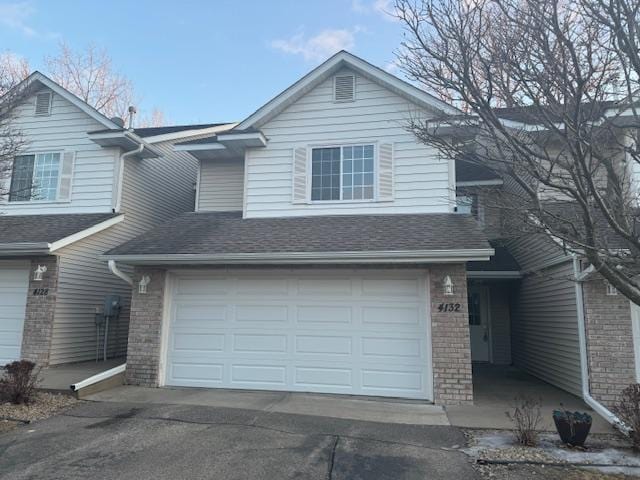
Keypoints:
pixel 391 315
pixel 194 374
pixel 198 342
pixel 340 378
pixel 257 375
pixel 312 337
pixel 200 286
pixel 264 313
pixel 400 348
pixel 321 315
pixel 325 286
pixel 323 345
pixel 262 286
pixel 259 343
pixel 398 287
pixel 192 314
pixel 403 380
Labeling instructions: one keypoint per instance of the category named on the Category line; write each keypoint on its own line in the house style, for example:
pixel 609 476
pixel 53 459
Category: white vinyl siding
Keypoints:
pixel 545 328
pixel 66 130
pixel 155 190
pixel 14 285
pixel 421 182
pixel 221 185
pixel 351 332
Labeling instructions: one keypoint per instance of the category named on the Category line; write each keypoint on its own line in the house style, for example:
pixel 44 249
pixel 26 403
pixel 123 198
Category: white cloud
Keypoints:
pixel 392 67
pixel 383 8
pixel 320 46
pixel 17 15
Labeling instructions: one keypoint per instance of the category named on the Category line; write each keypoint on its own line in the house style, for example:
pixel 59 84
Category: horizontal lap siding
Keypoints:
pixel 421 178
pixel 66 129
pixel 154 190
pixel 221 185
pixel 545 328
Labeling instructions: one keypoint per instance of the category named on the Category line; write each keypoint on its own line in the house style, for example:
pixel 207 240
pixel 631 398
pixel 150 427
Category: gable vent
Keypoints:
pixel 43 103
pixel 344 88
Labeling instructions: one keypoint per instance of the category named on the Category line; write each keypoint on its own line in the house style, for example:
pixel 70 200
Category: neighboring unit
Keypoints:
pixel 81 185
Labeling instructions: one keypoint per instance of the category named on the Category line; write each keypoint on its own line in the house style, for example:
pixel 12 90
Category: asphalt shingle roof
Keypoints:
pixel 227 232
pixel 501 261
pixel 472 172
pixel 46 228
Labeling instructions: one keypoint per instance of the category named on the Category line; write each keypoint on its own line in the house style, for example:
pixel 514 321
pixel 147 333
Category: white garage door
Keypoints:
pixel 363 332
pixel 14 283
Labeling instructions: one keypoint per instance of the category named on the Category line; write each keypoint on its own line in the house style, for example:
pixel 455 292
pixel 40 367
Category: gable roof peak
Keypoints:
pixel 331 66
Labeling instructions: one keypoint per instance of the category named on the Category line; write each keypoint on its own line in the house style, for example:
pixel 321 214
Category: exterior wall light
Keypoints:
pixel 142 284
pixel 448 285
pixel 39 272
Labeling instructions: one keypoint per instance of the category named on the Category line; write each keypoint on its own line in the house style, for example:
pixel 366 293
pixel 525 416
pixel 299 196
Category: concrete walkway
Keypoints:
pixel 494 390
pixel 60 377
pixel 370 409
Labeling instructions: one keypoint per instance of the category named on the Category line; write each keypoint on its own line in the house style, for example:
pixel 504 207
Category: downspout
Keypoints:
pixel 600 409
pixel 113 268
pixel 123 157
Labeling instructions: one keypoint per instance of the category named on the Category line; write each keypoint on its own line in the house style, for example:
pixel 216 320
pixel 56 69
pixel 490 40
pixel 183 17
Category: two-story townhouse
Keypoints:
pixel 541 308
pixel 324 253
pixel 81 185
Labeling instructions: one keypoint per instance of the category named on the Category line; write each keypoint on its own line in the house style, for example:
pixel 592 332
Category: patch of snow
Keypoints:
pixel 618 460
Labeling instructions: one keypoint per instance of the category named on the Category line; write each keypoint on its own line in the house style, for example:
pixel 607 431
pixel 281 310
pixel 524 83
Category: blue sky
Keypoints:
pixel 205 61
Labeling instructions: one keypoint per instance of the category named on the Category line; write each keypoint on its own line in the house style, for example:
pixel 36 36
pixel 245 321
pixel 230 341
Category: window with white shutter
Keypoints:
pixel 44 177
pixel 43 103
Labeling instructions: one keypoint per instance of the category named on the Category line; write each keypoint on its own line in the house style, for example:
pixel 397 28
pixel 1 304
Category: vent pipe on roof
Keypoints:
pixel 132 113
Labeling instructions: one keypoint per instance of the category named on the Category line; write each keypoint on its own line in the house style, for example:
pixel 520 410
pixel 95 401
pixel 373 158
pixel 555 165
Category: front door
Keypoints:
pixel 479 323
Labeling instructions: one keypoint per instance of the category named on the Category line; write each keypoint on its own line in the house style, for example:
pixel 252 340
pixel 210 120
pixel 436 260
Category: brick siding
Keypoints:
pixel 39 315
pixel 609 341
pixel 145 329
pixel 452 378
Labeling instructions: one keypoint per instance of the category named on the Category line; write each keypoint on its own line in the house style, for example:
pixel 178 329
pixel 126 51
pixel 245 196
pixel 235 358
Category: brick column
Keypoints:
pixel 145 328
pixel 39 315
pixel 452 378
pixel 609 341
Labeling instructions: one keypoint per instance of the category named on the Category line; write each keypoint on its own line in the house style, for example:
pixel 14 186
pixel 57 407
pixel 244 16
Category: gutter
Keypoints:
pixel 418 256
pixel 123 157
pixel 18 249
pixel 113 268
pixel 600 409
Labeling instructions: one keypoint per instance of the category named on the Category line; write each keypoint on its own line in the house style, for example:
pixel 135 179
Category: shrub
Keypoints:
pixel 628 410
pixel 526 417
pixel 19 382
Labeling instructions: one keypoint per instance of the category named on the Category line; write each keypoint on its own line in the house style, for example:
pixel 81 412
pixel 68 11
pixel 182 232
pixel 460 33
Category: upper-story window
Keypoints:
pixel 35 177
pixel 342 173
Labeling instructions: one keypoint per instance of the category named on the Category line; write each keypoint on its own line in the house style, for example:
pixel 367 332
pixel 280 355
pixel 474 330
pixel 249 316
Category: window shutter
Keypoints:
pixel 43 103
pixel 385 172
pixel 300 178
pixel 66 176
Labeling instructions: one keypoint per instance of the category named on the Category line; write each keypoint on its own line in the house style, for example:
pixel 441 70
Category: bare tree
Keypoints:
pixel 90 75
pixel 13 70
pixel 547 91
pixel 155 119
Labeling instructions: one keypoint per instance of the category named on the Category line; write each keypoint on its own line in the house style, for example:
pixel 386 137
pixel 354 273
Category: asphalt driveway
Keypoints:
pixel 103 440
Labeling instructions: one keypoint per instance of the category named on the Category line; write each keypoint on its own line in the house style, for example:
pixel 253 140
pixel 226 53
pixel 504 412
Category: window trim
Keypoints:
pixel 31 202
pixel 376 170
